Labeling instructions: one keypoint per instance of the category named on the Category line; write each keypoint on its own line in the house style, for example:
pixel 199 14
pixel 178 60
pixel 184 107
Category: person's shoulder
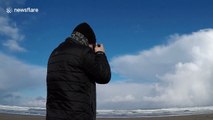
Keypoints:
pixel 79 48
pixel 88 50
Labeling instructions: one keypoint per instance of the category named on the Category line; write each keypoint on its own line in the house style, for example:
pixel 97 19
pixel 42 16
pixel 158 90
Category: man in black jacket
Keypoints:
pixel 74 68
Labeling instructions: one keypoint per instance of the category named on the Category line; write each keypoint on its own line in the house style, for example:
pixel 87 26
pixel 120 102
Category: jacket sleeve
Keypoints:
pixel 96 66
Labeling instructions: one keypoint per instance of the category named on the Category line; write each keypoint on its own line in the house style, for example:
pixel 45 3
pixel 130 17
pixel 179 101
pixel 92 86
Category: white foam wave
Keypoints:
pixel 22 110
pixel 155 112
pixel 116 113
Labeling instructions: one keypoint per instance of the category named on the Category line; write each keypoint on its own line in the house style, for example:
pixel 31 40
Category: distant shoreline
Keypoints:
pixel 188 117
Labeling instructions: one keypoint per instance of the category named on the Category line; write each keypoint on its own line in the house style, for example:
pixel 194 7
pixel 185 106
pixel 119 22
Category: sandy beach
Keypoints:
pixel 190 117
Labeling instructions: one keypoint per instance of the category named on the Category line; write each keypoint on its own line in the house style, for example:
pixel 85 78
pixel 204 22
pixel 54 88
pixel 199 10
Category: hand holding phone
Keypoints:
pixel 99 47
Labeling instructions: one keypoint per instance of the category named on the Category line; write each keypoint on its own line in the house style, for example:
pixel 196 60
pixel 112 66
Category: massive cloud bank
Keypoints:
pixel 17 77
pixel 178 74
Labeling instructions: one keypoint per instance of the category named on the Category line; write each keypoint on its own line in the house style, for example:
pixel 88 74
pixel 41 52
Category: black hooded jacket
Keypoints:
pixel 72 73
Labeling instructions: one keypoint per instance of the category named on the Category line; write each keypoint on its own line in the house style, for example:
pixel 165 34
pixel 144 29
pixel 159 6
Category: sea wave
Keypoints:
pixel 22 110
pixel 116 113
pixel 154 112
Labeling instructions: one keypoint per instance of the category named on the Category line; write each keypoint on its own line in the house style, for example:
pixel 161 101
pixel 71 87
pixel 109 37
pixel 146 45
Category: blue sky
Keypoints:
pixel 134 25
pixel 132 31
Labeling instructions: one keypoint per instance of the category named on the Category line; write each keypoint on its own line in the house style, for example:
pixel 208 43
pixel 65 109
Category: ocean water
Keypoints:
pixel 116 113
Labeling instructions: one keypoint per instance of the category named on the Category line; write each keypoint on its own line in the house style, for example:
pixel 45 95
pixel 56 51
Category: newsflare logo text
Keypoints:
pixel 22 10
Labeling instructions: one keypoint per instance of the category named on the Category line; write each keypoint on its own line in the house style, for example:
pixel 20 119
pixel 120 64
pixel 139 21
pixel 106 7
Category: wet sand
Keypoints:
pixel 190 117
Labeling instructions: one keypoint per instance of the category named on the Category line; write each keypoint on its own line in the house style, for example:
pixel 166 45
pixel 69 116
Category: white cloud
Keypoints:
pixel 17 77
pixel 20 82
pixel 179 73
pixel 12 34
pixel 14 73
pixel 121 95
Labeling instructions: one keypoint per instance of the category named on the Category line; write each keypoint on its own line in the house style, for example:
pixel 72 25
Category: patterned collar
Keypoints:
pixel 80 38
